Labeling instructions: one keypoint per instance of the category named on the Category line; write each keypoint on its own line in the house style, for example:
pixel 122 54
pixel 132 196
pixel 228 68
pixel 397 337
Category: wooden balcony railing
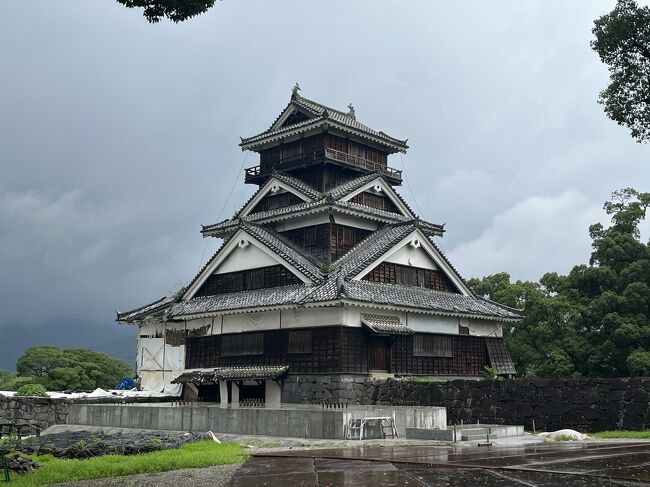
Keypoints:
pixel 253 174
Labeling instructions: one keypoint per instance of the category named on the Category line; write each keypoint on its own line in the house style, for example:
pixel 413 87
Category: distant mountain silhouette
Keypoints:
pixel 107 337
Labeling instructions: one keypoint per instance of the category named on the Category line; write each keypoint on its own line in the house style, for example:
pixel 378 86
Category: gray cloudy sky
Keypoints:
pixel 118 138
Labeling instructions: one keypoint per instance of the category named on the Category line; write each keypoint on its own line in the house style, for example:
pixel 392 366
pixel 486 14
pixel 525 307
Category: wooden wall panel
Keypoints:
pixel 337 349
pixel 391 273
pixel 375 201
pixel 262 277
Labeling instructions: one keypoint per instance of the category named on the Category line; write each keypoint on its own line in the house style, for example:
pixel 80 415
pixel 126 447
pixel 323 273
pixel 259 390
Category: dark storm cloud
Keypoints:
pixel 119 138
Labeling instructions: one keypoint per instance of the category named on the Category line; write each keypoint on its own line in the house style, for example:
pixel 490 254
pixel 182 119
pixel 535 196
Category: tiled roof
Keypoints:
pixel 318 203
pixel 372 247
pixel 426 299
pixel 242 373
pixel 287 250
pixel 297 184
pixel 393 295
pixel 303 188
pixel 342 190
pixel 309 207
pixel 257 298
pixel 322 115
pixel 385 325
pixel 149 312
pixel 348 187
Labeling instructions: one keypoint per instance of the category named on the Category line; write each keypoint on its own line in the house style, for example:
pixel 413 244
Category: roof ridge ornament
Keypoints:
pixel 351 112
pixel 295 90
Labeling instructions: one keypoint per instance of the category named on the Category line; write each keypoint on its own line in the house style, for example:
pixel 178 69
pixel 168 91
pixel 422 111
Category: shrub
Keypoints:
pixel 32 390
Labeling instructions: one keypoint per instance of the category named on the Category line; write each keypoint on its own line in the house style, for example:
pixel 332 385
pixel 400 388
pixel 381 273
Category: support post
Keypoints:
pixel 272 394
pixel 223 393
pixel 234 393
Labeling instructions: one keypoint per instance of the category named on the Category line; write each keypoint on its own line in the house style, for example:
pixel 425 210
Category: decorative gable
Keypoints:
pixel 378 194
pixel 291 115
pixel 415 261
pixel 242 253
pixel 275 193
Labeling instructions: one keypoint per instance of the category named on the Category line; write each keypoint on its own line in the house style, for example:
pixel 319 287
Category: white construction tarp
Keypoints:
pixel 311 317
pixel 174 357
pixel 267 320
pixel 152 381
pixel 151 353
pixel 432 324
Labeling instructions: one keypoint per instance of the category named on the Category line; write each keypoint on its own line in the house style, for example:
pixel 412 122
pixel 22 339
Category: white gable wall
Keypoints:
pixel 272 187
pixel 422 243
pixel 242 258
pixel 411 256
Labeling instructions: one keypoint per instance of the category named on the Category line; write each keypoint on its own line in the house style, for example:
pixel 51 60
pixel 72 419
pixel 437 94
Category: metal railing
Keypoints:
pixel 321 155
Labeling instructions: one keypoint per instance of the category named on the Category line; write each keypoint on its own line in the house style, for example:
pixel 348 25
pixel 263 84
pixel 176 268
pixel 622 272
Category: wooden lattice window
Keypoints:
pixel 432 346
pixel 242 344
pixel 375 201
pixel 391 273
pixel 202 352
pixel 299 341
pixel 262 277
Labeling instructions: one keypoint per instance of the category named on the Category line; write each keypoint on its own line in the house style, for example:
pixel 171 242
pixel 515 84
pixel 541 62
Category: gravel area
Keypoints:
pixel 217 476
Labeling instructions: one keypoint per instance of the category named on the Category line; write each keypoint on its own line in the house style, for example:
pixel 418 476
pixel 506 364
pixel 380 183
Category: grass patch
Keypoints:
pixel 426 379
pixel 190 455
pixel 636 435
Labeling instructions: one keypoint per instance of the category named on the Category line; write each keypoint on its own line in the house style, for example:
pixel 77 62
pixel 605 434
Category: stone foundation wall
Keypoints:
pixel 30 415
pixel 581 404
pixel 307 389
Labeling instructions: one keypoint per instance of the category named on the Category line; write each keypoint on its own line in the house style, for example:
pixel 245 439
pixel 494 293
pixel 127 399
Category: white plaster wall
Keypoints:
pixel 303 221
pixel 249 257
pixel 320 218
pixel 408 255
pixel 353 221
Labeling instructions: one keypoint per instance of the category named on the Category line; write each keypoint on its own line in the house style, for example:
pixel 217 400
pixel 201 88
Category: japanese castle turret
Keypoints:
pixel 325 276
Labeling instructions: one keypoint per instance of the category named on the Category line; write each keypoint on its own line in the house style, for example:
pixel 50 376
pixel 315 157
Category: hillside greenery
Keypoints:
pixel 594 321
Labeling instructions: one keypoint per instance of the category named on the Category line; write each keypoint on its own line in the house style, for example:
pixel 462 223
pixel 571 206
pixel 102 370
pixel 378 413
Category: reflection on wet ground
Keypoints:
pixel 545 465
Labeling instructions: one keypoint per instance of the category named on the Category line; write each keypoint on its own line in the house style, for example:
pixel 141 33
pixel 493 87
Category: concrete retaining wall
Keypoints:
pixel 306 422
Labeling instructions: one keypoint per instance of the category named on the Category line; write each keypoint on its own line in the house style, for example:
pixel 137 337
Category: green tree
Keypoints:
pixel 73 369
pixel 174 10
pixel 595 321
pixel 38 361
pixel 622 40
pixel 5 377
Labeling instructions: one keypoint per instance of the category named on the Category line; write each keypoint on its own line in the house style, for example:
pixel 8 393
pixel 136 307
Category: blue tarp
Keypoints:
pixel 125 384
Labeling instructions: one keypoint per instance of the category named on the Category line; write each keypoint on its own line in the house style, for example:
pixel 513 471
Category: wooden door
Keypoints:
pixel 379 354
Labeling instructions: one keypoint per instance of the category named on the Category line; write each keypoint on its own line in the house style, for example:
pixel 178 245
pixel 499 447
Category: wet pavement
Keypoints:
pixel 582 464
